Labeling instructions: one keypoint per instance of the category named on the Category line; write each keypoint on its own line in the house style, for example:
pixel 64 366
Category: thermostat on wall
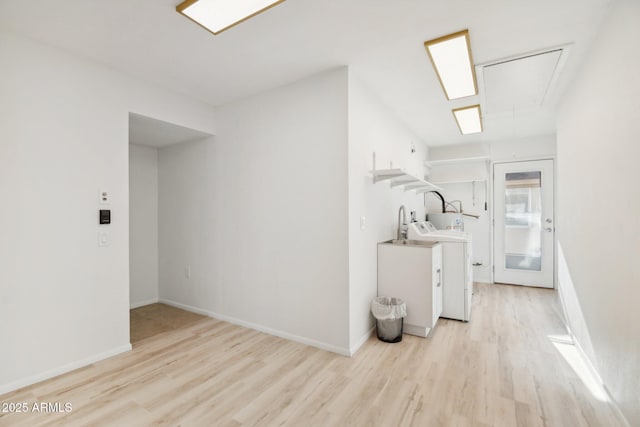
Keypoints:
pixel 105 216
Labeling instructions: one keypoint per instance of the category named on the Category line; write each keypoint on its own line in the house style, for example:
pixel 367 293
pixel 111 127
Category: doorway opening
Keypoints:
pixel 151 141
pixel 524 223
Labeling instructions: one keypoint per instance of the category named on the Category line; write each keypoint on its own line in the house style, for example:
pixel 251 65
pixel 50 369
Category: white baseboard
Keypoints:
pixel 593 371
pixel 15 385
pixel 361 341
pixel 616 409
pixel 587 360
pixel 143 303
pixel 291 337
pixel 187 307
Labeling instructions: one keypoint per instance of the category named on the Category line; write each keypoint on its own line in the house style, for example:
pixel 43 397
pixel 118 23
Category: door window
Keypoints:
pixel 523 221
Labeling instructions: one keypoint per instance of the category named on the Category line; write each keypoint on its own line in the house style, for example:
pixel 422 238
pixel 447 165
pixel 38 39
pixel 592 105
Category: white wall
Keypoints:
pixel 259 214
pixel 537 147
pixel 143 225
pixel 188 224
pixel 64 301
pixel 374 128
pixel 599 203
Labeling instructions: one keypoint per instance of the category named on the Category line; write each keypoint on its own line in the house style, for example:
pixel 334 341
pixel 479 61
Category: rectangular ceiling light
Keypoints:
pixel 219 15
pixel 451 57
pixel 469 119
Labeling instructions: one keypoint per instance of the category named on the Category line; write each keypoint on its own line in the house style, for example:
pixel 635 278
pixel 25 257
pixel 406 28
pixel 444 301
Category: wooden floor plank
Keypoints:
pixel 500 369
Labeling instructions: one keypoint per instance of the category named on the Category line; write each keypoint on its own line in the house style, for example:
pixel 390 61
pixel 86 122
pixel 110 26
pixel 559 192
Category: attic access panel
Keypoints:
pixel 519 83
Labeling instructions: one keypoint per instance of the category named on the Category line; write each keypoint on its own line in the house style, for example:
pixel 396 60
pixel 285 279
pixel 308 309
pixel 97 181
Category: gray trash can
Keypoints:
pixel 389 313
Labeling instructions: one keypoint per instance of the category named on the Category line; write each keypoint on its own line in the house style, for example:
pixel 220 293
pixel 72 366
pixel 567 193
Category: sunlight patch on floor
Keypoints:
pixel 565 346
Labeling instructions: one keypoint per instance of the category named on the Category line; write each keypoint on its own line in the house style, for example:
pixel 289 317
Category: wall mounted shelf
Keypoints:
pixel 400 178
pixel 456 161
pixel 463 181
pixel 459 170
pixel 385 174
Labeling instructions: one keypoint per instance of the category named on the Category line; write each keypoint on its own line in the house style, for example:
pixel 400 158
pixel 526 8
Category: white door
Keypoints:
pixel 523 223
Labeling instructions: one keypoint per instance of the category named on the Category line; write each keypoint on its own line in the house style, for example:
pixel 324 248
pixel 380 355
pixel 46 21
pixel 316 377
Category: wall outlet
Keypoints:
pixel 363 222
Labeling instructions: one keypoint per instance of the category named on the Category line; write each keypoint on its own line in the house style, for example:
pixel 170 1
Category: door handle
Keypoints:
pixel 548 221
pixel 548 229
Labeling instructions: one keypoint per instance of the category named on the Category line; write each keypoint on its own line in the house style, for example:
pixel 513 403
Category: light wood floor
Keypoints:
pixel 500 369
pixel 155 319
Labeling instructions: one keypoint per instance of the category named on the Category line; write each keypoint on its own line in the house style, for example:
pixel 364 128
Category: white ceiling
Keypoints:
pixel 382 40
pixel 520 83
pixel 156 133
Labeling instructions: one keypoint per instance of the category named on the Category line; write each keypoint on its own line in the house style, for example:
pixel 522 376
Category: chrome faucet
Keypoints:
pixel 402 226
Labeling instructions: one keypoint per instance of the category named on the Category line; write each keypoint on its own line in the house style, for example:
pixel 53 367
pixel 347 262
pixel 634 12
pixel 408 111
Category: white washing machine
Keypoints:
pixel 447 221
pixel 457 273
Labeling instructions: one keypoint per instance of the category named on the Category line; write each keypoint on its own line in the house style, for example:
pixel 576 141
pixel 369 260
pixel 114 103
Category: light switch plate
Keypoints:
pixel 103 238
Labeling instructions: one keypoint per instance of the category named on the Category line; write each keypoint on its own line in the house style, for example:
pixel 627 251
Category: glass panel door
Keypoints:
pixel 523 223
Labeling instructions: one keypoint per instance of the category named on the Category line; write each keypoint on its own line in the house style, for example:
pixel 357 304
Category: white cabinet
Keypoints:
pixel 436 281
pixel 413 272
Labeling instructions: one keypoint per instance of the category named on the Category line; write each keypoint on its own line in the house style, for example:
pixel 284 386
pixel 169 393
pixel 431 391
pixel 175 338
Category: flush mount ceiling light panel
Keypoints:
pixel 469 119
pixel 219 15
pixel 451 58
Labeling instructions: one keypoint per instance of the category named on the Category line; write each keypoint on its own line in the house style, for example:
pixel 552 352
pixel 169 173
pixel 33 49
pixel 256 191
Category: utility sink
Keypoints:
pixel 411 270
pixel 408 242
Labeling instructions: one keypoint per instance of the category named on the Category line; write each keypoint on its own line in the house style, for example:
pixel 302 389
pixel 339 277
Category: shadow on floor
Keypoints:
pixel 151 320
